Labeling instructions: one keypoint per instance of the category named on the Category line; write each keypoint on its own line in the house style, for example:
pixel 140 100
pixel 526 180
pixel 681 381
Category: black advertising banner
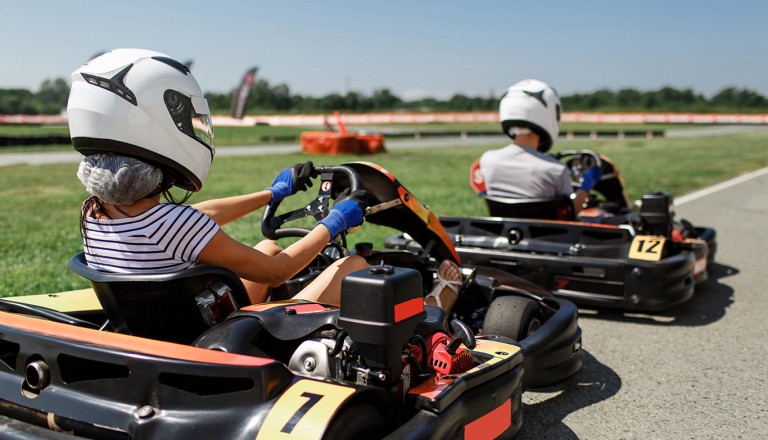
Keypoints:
pixel 241 94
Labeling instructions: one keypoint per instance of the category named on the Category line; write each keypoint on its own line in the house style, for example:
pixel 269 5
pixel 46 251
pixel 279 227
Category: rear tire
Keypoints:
pixel 515 317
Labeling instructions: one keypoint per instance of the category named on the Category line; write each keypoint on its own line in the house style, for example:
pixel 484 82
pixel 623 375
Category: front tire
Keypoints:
pixel 515 317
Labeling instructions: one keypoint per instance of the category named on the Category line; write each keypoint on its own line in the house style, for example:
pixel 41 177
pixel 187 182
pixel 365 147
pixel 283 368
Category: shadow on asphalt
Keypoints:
pixel 545 418
pixel 707 305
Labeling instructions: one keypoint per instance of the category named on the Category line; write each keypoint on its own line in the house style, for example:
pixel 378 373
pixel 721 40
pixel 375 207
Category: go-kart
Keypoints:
pixel 185 355
pixel 614 254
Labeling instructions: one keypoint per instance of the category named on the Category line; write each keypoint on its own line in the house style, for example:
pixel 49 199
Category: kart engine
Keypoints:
pixel 657 212
pixel 381 308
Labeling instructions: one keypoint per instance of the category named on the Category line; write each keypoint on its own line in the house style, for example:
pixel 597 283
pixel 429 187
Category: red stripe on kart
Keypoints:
pixel 409 308
pixel 432 388
pixel 307 308
pixel 560 283
pixel 128 343
pixel 491 425
pixel 381 169
pixel 700 265
pixel 299 305
pixel 577 223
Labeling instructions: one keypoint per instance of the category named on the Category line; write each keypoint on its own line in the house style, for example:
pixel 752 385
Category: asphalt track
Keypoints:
pixel 697 371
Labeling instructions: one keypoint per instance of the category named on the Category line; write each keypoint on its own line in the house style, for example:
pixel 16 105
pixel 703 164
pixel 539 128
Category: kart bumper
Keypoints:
pixel 99 388
pixel 603 282
pixel 553 352
pixel 495 405
pixel 710 236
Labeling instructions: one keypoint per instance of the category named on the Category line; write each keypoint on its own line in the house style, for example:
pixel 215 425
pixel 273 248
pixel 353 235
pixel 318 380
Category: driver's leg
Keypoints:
pixel 258 292
pixel 445 289
pixel 326 288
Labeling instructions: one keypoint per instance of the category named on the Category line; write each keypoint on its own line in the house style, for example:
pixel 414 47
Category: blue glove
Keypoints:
pixel 590 178
pixel 290 181
pixel 346 213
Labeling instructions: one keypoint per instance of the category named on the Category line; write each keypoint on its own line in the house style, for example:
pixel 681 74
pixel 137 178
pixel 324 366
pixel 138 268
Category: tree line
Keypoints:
pixel 51 98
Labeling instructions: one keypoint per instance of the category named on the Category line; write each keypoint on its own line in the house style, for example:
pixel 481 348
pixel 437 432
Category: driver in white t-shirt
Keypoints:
pixel 529 113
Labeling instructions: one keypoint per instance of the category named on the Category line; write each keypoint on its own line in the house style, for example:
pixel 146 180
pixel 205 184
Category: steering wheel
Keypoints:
pixel 578 162
pixel 272 224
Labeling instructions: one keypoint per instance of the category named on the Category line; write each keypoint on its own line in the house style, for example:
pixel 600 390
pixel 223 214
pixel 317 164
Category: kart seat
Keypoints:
pixel 558 208
pixel 174 307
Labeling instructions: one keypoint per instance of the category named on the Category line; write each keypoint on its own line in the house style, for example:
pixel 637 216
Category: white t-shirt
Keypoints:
pixel 165 239
pixel 524 173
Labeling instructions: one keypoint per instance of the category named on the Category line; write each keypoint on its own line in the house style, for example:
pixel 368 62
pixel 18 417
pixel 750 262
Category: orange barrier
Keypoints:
pixel 370 143
pixel 323 142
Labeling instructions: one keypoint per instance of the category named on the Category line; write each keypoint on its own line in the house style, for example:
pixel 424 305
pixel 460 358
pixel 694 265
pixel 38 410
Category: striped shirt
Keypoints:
pixel 167 238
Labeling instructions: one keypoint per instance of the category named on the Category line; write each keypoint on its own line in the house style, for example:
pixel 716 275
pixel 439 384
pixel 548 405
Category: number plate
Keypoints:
pixel 647 247
pixel 303 411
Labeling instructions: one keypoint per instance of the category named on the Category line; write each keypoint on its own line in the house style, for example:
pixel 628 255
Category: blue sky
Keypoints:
pixel 414 48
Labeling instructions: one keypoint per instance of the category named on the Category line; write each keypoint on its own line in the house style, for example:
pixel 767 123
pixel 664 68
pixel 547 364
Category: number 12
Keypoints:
pixel 653 244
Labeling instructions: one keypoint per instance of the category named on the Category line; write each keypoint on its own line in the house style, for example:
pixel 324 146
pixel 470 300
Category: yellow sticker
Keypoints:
pixel 303 411
pixel 647 247
pixel 83 300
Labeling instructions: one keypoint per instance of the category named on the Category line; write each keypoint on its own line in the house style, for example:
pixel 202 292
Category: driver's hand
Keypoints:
pixel 590 178
pixel 291 180
pixel 302 174
pixel 347 212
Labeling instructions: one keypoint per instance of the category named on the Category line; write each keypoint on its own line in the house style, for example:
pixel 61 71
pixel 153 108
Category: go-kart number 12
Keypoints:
pixel 646 247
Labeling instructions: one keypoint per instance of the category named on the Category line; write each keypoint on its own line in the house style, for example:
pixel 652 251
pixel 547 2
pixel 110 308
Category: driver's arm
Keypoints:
pixel 228 209
pixel 254 265
pixel 588 181
pixel 564 188
pixel 289 181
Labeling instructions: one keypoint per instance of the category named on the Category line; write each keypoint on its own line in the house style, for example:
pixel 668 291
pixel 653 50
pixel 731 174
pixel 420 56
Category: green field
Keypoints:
pixel 33 130
pixel 265 134
pixel 39 220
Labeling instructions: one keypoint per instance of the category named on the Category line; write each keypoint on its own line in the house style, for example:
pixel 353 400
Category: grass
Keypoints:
pixel 260 134
pixel 33 130
pixel 39 219
pixel 265 134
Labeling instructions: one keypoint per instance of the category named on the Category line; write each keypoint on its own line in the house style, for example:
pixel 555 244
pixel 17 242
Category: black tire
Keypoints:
pixel 512 316
pixel 359 421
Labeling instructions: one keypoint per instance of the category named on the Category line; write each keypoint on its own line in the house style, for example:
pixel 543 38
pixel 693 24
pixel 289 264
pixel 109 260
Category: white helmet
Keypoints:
pixel 143 104
pixel 532 104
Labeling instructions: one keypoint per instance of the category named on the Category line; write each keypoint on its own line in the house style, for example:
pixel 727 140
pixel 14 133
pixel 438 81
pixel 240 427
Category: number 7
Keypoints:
pixel 312 400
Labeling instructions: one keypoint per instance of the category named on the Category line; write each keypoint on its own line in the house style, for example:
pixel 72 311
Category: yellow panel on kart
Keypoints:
pixel 647 247
pixel 304 411
pixel 498 351
pixel 83 300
